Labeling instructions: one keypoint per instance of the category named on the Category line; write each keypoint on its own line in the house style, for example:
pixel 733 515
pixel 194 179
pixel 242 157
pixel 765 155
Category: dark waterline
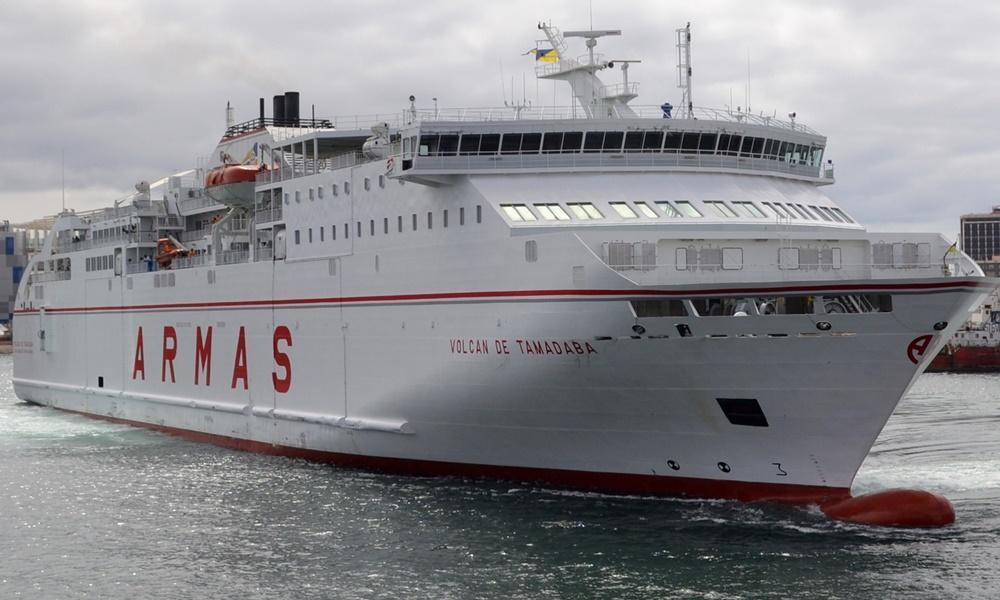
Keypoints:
pixel 94 510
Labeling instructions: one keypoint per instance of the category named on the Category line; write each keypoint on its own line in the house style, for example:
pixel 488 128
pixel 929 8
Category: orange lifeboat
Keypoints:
pixel 233 185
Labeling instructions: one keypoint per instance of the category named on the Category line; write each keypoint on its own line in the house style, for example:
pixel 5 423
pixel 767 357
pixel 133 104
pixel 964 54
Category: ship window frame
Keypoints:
pixel 609 137
pixel 826 210
pixel 672 141
pixel 531 142
pixel 319 192
pixel 479 213
pixel 593 141
pixel 551 142
pixel 359 230
pixel 585 211
pixel 802 211
pixel 311 197
pixel 690 141
pixel 668 209
pixel 461 215
pixel 707 143
pixel 721 209
pixel 448 144
pixel 297 237
pixel 399 223
pixel 310 235
pixel 750 207
pixel 781 210
pixel 468 145
pixel 371 228
pixel 842 214
pixel 489 144
pixel 647 145
pixel 822 216
pixel 414 221
pixel 688 209
pixel 347 231
pixel 568 147
pixel 430 220
pixel 385 225
pixel 624 210
pixel 635 138
pixel 444 218
pixel 646 211
pixel 552 212
pixel 347 188
pixel 333 233
pixel 506 147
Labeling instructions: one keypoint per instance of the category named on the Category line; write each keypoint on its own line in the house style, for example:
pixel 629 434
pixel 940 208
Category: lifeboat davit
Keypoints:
pixel 233 185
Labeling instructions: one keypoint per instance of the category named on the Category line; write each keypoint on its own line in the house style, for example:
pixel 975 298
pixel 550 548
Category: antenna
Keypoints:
pixel 591 15
pixel 684 69
pixel 63 153
pixel 748 81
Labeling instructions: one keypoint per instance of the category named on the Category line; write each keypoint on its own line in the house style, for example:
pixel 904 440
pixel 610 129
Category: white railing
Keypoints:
pixel 268 215
pixel 620 89
pixel 410 117
pixel 189 204
pixel 50 276
pixel 299 167
pixel 572 160
pixel 232 257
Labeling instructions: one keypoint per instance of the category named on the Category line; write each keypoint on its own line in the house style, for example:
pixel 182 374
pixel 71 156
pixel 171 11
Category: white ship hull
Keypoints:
pixel 543 384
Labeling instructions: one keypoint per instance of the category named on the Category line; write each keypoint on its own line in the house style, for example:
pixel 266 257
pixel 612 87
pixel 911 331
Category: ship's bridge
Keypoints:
pixel 711 140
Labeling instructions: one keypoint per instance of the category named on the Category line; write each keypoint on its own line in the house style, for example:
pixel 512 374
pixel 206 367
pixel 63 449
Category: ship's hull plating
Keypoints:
pixel 546 385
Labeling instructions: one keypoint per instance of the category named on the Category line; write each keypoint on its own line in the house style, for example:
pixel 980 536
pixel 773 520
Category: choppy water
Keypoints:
pixel 94 510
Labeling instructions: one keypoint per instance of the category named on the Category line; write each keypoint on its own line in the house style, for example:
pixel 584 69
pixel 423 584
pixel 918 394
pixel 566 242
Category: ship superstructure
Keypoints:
pixel 605 296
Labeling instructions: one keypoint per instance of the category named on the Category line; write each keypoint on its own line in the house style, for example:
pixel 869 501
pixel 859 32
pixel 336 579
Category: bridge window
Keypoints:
pixel 623 210
pixel 552 212
pixel 721 209
pixel 653 141
pixel 594 141
pixel 673 142
pixel 688 209
pixel 511 143
pixel 646 210
pixel 613 141
pixel 771 149
pixel 447 145
pixel 758 147
pixel 469 145
pixel 585 211
pixel 552 142
pixel 689 143
pixel 572 140
pixel 490 143
pixel 828 214
pixel 518 212
pixel 750 208
pixel 530 143
pixel 669 210
pixel 633 141
pixel 707 143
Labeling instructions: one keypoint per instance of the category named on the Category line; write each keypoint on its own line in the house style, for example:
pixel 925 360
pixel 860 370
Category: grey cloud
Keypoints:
pixel 904 90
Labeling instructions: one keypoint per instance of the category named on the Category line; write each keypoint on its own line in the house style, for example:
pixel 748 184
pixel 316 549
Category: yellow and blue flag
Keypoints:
pixel 546 55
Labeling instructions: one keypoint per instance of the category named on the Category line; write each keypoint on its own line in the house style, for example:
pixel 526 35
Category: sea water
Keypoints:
pixel 95 510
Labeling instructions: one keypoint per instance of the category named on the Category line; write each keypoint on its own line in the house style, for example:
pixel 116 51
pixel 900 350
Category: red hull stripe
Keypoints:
pixel 531 294
pixel 617 483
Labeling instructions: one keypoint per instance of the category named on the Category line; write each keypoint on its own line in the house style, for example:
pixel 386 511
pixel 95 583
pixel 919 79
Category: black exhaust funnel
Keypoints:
pixel 279 110
pixel 292 108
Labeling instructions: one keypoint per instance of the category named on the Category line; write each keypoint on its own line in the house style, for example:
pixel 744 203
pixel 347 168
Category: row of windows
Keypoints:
pixel 770 305
pixel 100 263
pixel 690 142
pixel 678 209
pixel 318 192
pixel 414 223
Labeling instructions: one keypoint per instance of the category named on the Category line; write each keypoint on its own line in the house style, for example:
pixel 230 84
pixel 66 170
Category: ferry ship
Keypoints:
pixel 975 347
pixel 656 300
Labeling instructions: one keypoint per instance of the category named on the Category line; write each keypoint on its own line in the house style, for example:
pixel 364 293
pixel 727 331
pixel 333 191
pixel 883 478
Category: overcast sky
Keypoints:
pixel 907 92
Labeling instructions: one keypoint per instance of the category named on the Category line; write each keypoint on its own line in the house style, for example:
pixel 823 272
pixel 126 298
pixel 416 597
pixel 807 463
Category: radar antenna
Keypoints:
pixel 684 71
pixel 596 99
